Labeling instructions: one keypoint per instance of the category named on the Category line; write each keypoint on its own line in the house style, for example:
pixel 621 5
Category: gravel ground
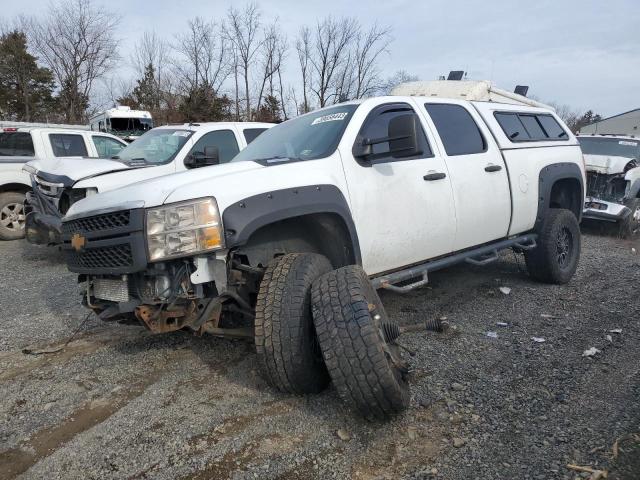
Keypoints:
pixel 117 402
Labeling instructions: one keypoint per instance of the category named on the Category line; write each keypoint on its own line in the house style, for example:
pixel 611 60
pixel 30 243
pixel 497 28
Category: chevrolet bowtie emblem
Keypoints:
pixel 78 242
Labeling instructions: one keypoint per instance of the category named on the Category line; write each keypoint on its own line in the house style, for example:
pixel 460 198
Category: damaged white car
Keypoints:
pixel 613 180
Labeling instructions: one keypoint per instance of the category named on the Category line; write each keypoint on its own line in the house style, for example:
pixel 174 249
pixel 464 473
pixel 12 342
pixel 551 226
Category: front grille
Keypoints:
pixel 115 256
pixel 108 243
pixel 105 221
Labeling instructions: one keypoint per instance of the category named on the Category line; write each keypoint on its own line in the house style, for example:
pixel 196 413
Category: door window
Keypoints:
pixel 379 125
pixel 106 147
pixel 250 134
pixel 16 144
pixel 459 132
pixel 68 145
pixel 225 140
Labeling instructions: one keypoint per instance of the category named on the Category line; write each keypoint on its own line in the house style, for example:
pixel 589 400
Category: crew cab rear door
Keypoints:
pixel 477 171
pixel 402 205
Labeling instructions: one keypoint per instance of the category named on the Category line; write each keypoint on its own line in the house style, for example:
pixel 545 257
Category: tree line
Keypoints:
pixel 65 64
pixel 241 66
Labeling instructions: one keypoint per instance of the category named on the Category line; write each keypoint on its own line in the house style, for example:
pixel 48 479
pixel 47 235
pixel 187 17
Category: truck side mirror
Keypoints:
pixel 403 141
pixel 211 155
pixel 401 137
pixel 199 159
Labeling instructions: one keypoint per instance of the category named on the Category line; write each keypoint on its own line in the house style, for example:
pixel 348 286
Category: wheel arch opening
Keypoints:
pixel 567 193
pixel 323 233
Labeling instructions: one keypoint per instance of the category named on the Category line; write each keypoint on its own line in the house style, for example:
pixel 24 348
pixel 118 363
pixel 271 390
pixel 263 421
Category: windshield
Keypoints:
pixel 155 147
pixel 311 136
pixel 122 125
pixel 613 147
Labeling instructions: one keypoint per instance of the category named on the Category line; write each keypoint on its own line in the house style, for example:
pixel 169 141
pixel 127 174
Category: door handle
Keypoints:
pixel 492 168
pixel 434 176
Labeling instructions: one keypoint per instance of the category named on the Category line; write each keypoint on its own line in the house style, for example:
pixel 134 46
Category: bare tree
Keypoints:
pixel 243 28
pixel 303 47
pixel 369 46
pixel 332 42
pixel 203 57
pixel 401 76
pixel 569 115
pixel 76 40
pixel 274 47
pixel 152 51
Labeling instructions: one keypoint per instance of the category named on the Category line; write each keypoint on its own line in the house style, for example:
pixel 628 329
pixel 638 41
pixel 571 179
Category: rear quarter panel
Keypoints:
pixel 525 161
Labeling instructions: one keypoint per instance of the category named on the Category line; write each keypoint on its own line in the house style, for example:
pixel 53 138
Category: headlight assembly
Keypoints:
pixel 184 228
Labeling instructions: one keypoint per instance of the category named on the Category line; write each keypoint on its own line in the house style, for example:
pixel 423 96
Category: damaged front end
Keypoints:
pixel 110 252
pixel 45 206
pixel 609 190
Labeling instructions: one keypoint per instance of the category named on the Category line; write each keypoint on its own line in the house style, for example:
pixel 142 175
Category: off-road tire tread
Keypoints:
pixel 284 332
pixel 541 262
pixel 351 344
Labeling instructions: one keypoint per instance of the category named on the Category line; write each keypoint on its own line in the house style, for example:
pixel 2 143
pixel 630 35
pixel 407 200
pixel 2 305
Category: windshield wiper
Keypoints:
pixel 138 162
pixel 275 159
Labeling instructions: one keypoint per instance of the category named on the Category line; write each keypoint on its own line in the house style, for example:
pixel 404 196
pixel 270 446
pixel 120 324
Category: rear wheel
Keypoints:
pixel 12 215
pixel 284 333
pixel 555 259
pixel 630 226
pixel 358 343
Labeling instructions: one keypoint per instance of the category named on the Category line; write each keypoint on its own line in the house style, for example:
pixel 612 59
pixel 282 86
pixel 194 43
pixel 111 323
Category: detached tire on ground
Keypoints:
pixel 357 340
pixel 12 215
pixel 555 259
pixel 285 338
pixel 630 226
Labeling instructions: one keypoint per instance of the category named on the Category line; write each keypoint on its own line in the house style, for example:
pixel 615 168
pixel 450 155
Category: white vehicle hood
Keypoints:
pixel 153 192
pixel 76 168
pixel 606 164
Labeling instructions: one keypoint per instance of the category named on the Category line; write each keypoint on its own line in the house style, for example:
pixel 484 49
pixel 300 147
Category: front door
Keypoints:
pixel 402 206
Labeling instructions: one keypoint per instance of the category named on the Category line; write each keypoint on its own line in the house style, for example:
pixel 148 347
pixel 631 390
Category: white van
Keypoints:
pixel 122 121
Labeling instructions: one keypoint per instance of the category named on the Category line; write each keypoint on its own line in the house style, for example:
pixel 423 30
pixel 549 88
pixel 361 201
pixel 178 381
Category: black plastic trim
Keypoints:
pixel 243 218
pixel 549 175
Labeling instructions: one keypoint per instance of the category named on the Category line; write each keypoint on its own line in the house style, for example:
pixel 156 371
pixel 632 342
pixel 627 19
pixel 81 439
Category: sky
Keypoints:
pixel 585 54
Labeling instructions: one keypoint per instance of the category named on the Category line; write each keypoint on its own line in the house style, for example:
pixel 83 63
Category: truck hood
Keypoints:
pixel 68 170
pixel 608 165
pixel 154 191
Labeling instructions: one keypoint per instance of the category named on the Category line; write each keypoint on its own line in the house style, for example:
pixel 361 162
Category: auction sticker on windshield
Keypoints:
pixel 627 143
pixel 330 118
pixel 181 133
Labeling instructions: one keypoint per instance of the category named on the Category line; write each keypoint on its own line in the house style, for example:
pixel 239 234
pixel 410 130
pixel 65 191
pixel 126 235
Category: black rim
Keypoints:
pixel 564 244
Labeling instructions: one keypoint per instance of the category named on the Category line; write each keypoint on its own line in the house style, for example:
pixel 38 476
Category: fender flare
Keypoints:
pixel 549 175
pixel 244 217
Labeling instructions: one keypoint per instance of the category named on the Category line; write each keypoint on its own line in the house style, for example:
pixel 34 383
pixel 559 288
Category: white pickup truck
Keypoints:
pixel 58 183
pixel 287 243
pixel 21 145
pixel 613 180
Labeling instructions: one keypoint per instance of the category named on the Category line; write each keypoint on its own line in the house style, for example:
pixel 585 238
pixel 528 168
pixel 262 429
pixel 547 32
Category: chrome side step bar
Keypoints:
pixel 477 256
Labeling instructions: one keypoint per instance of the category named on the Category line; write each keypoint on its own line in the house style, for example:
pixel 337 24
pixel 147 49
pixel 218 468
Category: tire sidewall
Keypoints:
pixel 8 198
pixel 629 224
pixel 563 220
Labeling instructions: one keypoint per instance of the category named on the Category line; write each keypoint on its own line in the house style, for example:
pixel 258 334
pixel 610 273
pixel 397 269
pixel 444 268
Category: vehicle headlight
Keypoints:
pixel 184 228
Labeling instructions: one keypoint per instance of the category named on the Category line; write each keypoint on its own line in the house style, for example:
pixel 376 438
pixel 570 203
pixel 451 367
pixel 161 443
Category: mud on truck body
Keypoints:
pixel 288 242
pixel 613 180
